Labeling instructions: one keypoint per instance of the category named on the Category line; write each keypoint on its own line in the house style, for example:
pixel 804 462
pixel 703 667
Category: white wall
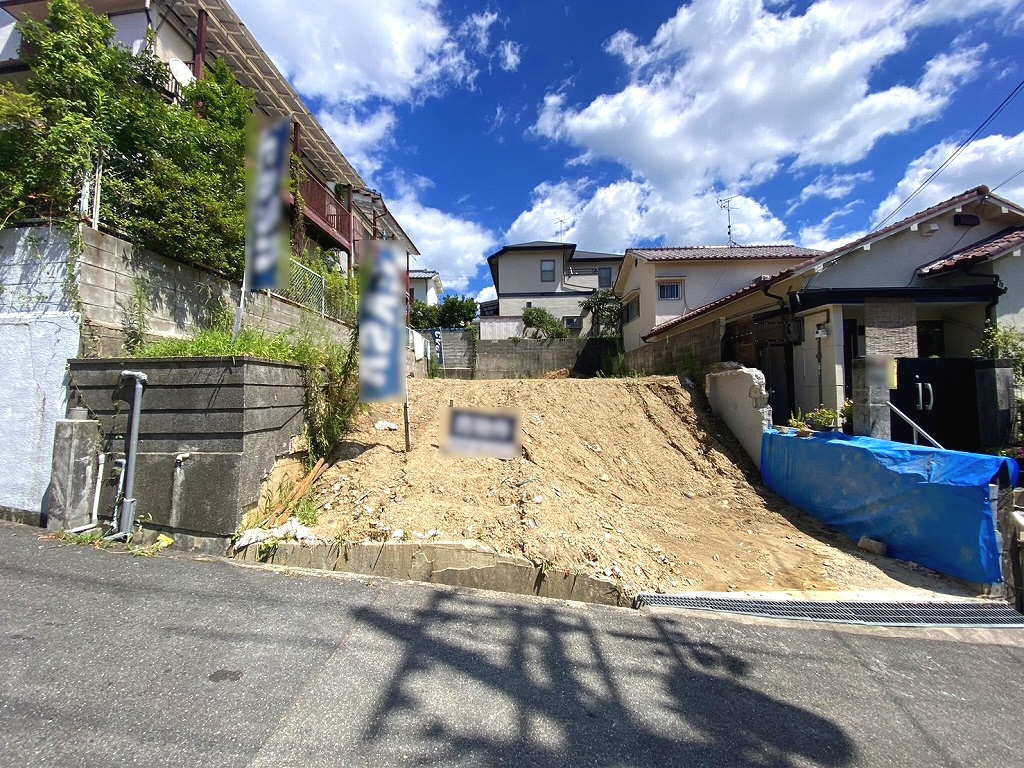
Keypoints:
pixel 499 328
pixel 729 397
pixel 424 290
pixel 130 30
pixel 39 331
pixel 805 362
pixel 10 38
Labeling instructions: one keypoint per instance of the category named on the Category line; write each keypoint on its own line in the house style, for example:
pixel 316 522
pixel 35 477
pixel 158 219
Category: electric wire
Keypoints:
pixel 956 153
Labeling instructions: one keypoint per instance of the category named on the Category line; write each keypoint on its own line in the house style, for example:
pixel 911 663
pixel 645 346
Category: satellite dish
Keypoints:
pixel 181 72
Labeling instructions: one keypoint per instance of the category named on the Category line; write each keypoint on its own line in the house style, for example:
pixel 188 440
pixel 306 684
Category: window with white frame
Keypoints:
pixel 547 270
pixel 670 291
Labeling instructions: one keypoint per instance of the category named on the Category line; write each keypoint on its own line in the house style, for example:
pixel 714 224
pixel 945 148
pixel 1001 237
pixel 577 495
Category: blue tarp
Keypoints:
pixel 929 506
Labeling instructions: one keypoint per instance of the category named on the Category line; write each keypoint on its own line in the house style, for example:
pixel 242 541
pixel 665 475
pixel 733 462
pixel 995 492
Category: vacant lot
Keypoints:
pixel 627 478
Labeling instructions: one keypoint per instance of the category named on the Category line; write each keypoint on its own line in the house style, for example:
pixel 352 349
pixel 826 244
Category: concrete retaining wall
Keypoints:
pixel 534 357
pixel 211 429
pixel 461 564
pixel 738 397
pixel 180 297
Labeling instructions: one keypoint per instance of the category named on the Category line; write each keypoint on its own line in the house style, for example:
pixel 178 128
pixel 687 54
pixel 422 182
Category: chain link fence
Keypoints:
pixel 305 287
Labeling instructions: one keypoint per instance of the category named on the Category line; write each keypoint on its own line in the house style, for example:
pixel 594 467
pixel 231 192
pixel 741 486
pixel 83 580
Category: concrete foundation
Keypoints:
pixel 460 564
pixel 76 446
pixel 211 429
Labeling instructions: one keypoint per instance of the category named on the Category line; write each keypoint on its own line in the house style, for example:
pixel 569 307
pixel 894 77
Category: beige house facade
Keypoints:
pixel 657 285
pixel 923 287
pixel 549 275
pixel 425 285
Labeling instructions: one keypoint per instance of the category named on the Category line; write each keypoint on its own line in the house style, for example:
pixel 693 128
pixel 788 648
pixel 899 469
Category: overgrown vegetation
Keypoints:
pixel 1004 342
pixel 173 177
pixel 542 322
pixel 452 312
pixel 330 372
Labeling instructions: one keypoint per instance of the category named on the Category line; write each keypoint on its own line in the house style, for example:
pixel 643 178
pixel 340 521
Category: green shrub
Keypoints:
pixel 545 323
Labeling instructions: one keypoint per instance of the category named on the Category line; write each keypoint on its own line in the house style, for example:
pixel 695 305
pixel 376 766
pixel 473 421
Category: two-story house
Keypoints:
pixel 553 276
pixel 425 285
pixel 659 284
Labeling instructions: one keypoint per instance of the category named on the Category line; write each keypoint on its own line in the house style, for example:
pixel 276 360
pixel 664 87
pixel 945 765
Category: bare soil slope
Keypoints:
pixel 626 478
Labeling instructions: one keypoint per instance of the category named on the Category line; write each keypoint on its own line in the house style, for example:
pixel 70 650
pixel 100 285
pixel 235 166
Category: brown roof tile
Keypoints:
pixel 996 245
pixel 723 252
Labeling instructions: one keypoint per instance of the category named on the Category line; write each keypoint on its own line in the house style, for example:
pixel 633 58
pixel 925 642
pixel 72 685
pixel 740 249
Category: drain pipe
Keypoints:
pixel 128 504
pixel 94 518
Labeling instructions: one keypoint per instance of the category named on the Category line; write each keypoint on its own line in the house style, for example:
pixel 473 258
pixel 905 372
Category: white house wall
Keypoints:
pixel 10 38
pixel 892 262
pixel 130 30
pixel 39 331
pixel 805 363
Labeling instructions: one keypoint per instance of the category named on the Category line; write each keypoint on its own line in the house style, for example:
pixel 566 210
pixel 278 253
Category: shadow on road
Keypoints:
pixel 561 692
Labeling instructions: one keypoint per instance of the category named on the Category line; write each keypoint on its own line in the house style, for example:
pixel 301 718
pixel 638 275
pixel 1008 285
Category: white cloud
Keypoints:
pixel 818 235
pixel 397 50
pixel 834 186
pixel 455 247
pixel 477 29
pixel 509 55
pixel 490 293
pixel 988 161
pixel 616 216
pixel 360 141
pixel 728 91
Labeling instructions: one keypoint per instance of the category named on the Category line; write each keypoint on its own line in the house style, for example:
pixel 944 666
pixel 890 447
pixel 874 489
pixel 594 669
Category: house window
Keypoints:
pixel 604 277
pixel 669 291
pixel 631 310
pixel 547 270
pixel 412 294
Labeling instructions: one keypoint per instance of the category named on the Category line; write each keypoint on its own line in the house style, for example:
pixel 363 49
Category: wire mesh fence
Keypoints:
pixel 305 287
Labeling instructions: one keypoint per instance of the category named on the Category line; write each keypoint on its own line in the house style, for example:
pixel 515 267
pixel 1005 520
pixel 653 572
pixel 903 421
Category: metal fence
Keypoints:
pixel 305 287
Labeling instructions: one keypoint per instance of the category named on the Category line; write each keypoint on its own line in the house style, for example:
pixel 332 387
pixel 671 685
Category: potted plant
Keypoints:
pixel 822 419
pixel 846 413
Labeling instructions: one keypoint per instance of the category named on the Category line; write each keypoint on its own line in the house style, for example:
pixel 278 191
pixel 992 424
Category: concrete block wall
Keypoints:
pixel 457 347
pixel 180 297
pixel 890 327
pixel 702 344
pixel 532 358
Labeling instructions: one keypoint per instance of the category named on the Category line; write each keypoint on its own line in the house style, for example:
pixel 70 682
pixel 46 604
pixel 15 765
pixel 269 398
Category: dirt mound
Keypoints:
pixel 624 478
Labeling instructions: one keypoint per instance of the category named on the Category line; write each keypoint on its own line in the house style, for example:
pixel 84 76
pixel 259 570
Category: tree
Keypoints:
pixel 453 312
pixel 424 315
pixel 456 311
pixel 604 308
pixel 542 321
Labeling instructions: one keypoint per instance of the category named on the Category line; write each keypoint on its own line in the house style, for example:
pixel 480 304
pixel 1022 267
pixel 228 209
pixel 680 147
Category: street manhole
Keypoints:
pixel 925 614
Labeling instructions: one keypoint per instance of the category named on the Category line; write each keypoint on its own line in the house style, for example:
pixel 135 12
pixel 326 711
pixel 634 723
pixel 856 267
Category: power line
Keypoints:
pixel 995 113
pixel 1007 181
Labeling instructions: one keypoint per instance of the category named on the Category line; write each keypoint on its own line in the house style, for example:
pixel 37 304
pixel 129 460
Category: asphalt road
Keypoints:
pixel 108 660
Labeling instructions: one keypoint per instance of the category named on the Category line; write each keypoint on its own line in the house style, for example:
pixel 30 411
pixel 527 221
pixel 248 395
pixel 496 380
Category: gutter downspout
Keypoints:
pixel 997 282
pixel 127 519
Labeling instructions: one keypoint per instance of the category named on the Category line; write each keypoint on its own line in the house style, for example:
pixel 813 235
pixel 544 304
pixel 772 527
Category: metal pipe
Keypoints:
pixel 127 520
pixel 101 461
pixel 917 429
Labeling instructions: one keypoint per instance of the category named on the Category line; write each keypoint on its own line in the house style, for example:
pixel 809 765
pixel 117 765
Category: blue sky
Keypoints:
pixel 622 124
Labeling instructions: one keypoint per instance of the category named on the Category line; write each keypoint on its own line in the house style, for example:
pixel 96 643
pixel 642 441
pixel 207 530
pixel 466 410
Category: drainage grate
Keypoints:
pixel 935 614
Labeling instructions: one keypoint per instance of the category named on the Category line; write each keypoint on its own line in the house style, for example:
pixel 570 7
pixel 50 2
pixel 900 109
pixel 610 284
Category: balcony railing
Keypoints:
pixel 325 210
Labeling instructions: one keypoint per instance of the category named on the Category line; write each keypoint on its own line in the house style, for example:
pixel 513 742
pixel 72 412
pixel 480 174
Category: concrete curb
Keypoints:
pixel 454 563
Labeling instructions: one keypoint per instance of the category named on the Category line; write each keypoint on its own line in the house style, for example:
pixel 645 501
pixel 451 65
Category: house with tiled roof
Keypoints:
pixel 921 288
pixel 553 276
pixel 425 285
pixel 657 285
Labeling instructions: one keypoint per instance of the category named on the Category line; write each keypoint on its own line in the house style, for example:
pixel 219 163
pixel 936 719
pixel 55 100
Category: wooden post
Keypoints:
pixel 408 421
pixel 199 60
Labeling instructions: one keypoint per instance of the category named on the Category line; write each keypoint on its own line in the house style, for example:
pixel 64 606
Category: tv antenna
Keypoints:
pixel 561 229
pixel 725 203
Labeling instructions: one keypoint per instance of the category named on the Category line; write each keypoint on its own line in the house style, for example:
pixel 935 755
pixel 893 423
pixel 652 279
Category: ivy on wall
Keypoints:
pixel 173 176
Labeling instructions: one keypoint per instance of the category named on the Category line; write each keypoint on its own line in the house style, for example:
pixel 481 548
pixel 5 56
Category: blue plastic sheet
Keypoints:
pixel 929 506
